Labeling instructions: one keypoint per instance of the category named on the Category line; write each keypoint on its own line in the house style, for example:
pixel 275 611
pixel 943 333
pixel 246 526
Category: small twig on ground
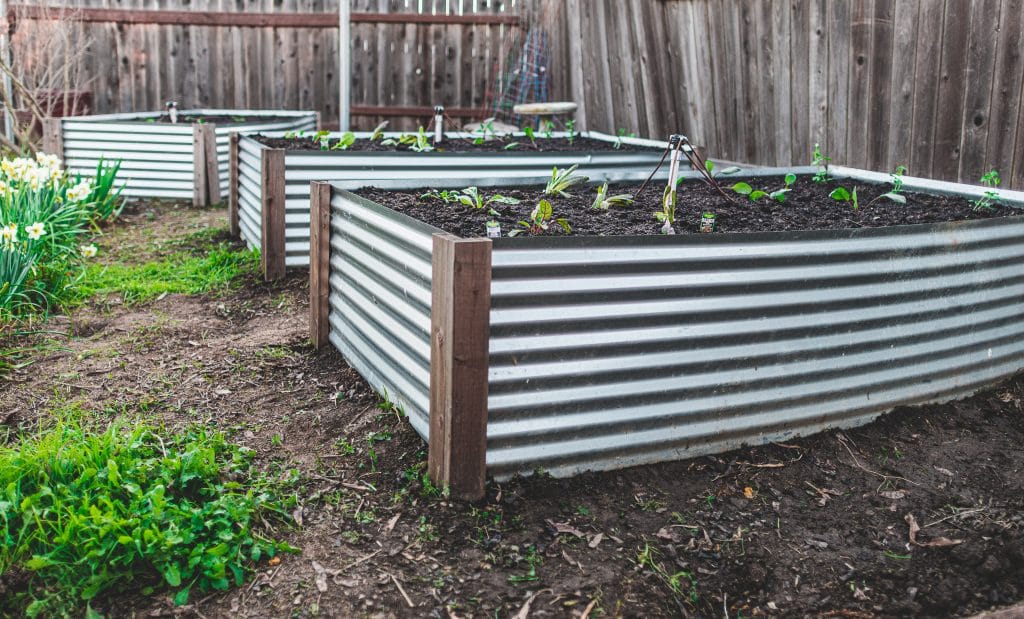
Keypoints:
pixel 842 441
pixel 967 512
pixel 401 590
pixel 362 560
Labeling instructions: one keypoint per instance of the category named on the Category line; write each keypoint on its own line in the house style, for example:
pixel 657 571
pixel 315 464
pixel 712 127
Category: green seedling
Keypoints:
pixel 540 221
pixel 570 126
pixel 710 167
pixel 528 131
pixel 603 201
pixel 511 145
pixel 842 194
pixel 667 214
pixel 378 132
pixel 321 138
pixel 619 138
pixel 563 180
pixel 820 160
pixel 990 179
pixel 896 178
pixel 443 196
pixel 418 142
pixel 345 142
pixel 486 131
pixel 547 129
pixel 471 196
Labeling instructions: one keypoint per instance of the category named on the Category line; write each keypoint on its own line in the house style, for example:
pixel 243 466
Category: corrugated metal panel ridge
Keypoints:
pixel 380 300
pixel 708 342
pixel 157 159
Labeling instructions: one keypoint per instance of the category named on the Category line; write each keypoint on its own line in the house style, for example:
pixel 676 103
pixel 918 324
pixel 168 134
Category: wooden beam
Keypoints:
pixel 233 226
pixel 53 137
pixel 212 163
pixel 413 110
pixel 319 262
pixel 272 214
pixel 251 20
pixel 200 194
pixel 460 326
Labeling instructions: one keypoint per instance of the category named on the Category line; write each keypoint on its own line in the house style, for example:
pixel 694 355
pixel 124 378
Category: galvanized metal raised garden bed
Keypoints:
pixel 163 160
pixel 269 201
pixel 577 353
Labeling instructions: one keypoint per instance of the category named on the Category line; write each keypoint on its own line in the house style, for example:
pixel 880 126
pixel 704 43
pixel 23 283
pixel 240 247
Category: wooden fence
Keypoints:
pixel 935 85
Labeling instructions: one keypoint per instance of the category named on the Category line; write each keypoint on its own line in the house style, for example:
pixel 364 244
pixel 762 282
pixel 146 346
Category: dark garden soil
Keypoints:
pixel 817 527
pixel 461 145
pixel 187 119
pixel 807 207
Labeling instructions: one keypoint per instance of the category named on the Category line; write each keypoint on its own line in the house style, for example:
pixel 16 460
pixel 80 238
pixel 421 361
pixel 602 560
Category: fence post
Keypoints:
pixel 212 163
pixel 460 323
pixel 233 186
pixel 200 195
pixel 272 248
pixel 319 262
pixel 53 137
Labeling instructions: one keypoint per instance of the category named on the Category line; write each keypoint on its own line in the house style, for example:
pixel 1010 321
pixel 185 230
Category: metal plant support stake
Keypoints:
pixel 172 111
pixel 675 143
pixel 438 124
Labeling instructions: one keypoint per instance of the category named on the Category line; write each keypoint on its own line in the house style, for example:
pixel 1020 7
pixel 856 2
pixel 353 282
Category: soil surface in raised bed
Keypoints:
pixel 815 527
pixel 455 145
pixel 807 207
pixel 188 119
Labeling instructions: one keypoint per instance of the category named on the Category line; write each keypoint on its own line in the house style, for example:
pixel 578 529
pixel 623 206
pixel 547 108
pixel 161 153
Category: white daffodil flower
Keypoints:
pixel 35 231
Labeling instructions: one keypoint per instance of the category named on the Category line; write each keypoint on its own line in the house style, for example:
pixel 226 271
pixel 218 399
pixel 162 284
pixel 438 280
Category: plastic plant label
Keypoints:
pixel 707 222
pixel 493 230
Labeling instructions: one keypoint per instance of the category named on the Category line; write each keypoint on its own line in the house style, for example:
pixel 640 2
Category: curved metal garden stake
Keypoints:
pixel 438 124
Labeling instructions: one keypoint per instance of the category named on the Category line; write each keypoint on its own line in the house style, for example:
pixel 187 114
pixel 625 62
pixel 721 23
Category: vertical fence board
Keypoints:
pixel 1006 93
pixel 981 58
pixel 953 69
pixel 878 127
pixel 861 64
pixel 901 103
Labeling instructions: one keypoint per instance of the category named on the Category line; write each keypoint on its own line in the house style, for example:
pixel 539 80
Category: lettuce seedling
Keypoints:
pixel 378 132
pixel 842 194
pixel 563 180
pixel 990 179
pixel 604 201
pixel 471 196
pixel 346 140
pixel 667 214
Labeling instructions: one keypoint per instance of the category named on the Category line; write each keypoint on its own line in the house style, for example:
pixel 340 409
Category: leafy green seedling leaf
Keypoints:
pixel 757 194
pixel 790 179
pixel 840 194
pixel 895 197
pixel 779 195
pixel 742 188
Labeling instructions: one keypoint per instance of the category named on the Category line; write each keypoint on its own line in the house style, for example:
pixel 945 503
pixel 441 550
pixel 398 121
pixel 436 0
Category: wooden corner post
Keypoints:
pixel 460 323
pixel 53 137
pixel 319 262
pixel 272 211
pixel 233 186
pixel 200 193
pixel 212 163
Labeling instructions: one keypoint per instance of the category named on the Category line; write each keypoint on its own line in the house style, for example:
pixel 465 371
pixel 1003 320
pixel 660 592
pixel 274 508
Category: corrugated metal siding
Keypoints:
pixel 250 201
pixel 380 300
pixel 157 159
pixel 455 169
pixel 611 352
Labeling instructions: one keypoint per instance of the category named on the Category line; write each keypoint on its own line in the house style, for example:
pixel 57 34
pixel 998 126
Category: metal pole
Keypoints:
pixel 345 64
pixel 5 57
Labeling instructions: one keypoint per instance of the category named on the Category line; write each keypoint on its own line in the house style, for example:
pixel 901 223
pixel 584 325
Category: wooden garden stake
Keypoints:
pixel 319 262
pixel 460 322
pixel 272 237
pixel 233 186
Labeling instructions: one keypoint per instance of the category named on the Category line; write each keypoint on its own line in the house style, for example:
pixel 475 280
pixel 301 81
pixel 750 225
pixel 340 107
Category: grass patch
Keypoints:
pixel 181 273
pixel 85 512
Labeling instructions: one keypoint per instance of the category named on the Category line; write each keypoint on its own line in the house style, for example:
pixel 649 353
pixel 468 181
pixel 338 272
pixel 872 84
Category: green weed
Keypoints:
pixel 86 512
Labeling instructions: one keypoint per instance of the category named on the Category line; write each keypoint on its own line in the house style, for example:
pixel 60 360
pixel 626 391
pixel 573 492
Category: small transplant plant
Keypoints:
pixel 842 194
pixel 604 201
pixel 895 192
pixel 779 195
pixel 991 196
pixel 820 160
pixel 540 221
pixel 564 180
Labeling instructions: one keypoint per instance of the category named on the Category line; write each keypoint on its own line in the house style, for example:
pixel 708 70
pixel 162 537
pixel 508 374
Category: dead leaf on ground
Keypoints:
pixel 668 534
pixel 566 528
pixel 594 541
pixel 937 542
pixel 895 495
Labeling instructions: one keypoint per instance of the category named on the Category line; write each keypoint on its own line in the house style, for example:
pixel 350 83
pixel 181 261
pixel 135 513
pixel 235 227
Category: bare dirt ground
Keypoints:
pixel 824 526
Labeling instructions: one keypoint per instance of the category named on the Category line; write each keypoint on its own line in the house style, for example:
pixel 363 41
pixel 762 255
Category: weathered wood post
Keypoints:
pixel 272 234
pixel 53 137
pixel 460 322
pixel 233 186
pixel 319 262
pixel 212 163
pixel 200 192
